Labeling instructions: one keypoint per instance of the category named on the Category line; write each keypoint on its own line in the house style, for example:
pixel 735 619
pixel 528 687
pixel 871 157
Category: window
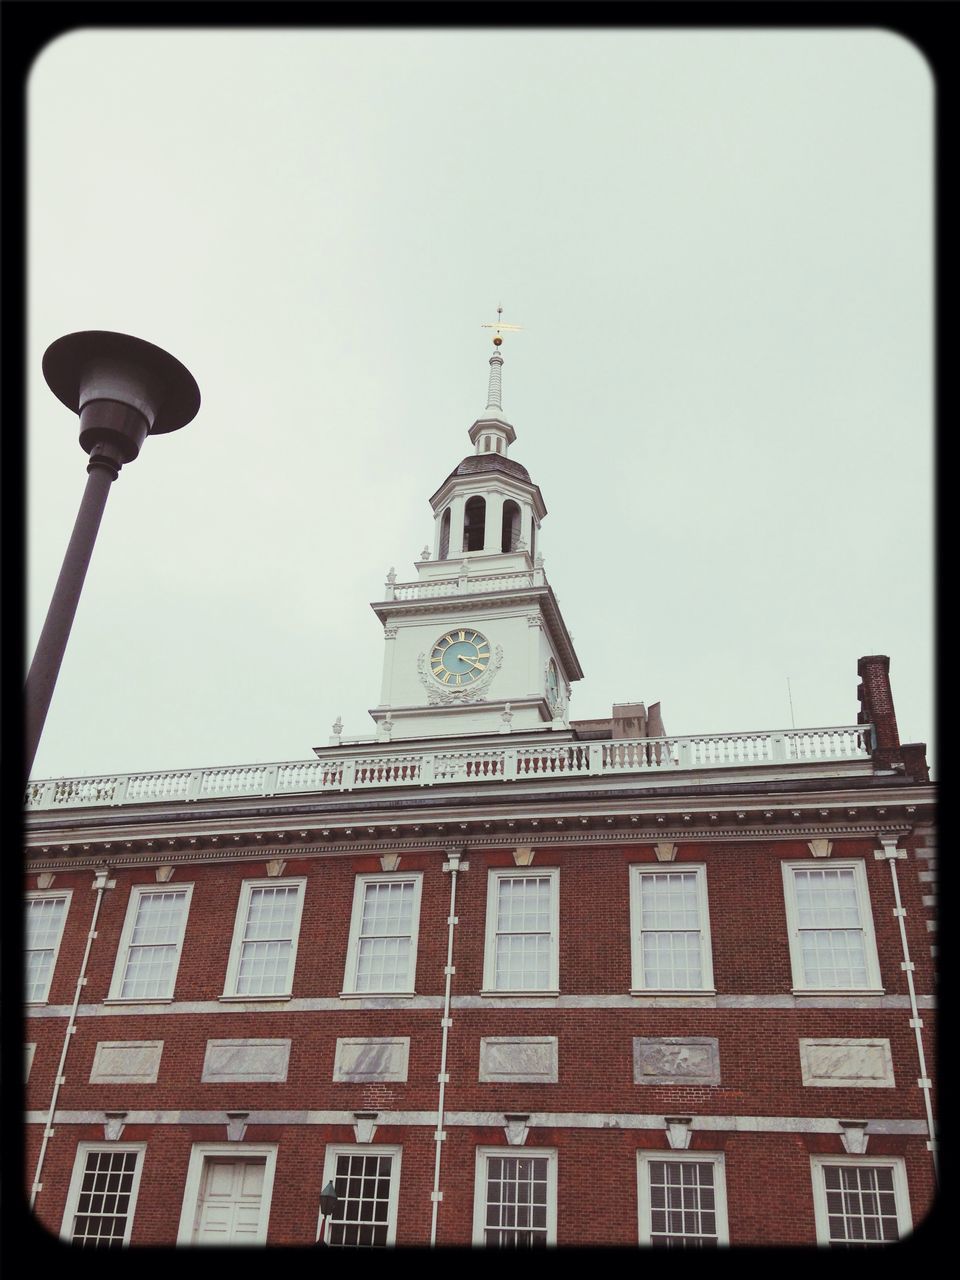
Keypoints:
pixel 382 955
pixel 46 913
pixel 226 1199
pixel 682 1199
pixel 264 949
pixel 523 917
pixel 149 950
pixel 474 523
pixel 515 1202
pixel 670 930
pixel 510 526
pixel 103 1195
pixel 832 946
pixel 444 535
pixel 859 1203
pixel 367 1182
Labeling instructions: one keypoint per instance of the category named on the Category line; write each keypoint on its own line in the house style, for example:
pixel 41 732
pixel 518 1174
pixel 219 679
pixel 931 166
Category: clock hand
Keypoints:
pixel 472 664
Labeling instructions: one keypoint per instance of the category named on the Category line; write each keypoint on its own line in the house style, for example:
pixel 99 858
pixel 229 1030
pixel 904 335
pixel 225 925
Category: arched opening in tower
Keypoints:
pixel 474 520
pixel 444 535
pixel 510 534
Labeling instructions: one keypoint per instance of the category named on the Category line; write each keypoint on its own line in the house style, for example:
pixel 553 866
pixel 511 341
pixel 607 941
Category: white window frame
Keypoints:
pixel 637 871
pixel 480 1187
pixel 236 946
pixel 33 897
pixel 495 875
pixel 900 1190
pixel 137 893
pixel 356 920
pixel 330 1156
pixel 199 1154
pixel 646 1158
pixel 874 984
pixel 76 1182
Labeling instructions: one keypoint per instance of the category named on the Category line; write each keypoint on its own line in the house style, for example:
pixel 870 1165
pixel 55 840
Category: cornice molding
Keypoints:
pixel 439 842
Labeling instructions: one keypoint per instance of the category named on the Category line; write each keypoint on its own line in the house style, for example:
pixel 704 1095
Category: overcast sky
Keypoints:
pixel 719 246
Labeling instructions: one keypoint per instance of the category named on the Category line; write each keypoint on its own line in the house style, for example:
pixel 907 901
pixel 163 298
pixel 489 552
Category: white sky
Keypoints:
pixel 719 245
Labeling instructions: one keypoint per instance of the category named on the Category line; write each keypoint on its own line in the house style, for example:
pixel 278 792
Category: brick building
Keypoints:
pixel 500 976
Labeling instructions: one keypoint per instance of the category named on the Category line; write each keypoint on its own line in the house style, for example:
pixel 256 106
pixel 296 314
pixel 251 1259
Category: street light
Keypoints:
pixel 328 1202
pixel 123 389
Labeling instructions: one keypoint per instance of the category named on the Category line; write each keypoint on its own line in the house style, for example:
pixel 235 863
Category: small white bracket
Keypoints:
pixel 365 1125
pixel 436 1196
pixel 916 1023
pixel 516 1127
pixel 888 848
pixel 854 1136
pixel 440 1136
pixel 237 1125
pixel 113 1125
pixel 449 970
pixel 679 1131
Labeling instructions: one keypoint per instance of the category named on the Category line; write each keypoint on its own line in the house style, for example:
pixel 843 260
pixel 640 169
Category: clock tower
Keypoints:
pixel 477 644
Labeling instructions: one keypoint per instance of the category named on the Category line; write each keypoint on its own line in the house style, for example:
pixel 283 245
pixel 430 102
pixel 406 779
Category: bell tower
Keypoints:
pixel 477 644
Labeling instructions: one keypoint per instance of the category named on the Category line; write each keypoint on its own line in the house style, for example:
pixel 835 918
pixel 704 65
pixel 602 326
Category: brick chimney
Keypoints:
pixel 876 708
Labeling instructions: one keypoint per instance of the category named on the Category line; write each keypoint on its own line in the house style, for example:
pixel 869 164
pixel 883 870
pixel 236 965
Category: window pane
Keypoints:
pixel 861 1205
pixel 363 1186
pixel 384 952
pixel 682 1203
pixel 516 1207
pixel 101 1217
pixel 524 945
pixel 44 923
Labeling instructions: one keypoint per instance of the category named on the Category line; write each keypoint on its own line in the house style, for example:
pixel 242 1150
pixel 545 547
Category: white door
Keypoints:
pixel 231 1202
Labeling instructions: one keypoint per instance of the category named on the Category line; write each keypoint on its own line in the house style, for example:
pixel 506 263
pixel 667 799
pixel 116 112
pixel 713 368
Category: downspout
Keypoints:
pixel 892 853
pixel 453 865
pixel 100 883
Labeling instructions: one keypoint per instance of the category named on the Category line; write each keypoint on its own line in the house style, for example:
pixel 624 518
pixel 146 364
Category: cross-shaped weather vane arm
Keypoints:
pixel 501 328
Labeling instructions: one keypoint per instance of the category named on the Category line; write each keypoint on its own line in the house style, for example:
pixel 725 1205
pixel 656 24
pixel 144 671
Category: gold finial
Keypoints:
pixel 507 328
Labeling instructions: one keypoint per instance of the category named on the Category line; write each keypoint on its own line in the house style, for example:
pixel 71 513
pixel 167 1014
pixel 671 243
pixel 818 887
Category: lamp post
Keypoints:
pixel 123 390
pixel 328 1202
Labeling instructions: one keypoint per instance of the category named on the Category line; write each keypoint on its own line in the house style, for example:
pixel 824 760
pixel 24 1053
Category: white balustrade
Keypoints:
pixel 464 585
pixel 390 766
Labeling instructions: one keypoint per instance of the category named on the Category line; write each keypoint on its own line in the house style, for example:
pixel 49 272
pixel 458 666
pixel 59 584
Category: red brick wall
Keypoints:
pixel 768 1175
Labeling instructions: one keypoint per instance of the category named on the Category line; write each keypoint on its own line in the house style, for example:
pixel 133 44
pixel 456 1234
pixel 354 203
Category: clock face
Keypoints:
pixel 460 657
pixel 553 683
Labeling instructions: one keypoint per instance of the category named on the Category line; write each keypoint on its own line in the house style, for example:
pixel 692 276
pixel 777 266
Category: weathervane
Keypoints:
pixel 500 326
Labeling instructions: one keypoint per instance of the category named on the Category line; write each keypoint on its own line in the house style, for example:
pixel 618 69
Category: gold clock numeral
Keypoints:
pixel 459 679
pixel 446 678
pixel 462 635
pixel 449 640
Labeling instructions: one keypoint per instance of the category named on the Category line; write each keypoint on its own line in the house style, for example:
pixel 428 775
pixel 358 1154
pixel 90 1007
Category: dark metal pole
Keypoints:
pixel 123 390
pixel 42 677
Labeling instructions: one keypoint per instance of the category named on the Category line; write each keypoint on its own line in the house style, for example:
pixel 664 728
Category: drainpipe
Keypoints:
pixel 892 853
pixel 453 865
pixel 100 883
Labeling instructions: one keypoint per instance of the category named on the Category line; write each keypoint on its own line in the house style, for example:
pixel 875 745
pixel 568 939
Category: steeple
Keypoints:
pixel 493 433
pixel 477 643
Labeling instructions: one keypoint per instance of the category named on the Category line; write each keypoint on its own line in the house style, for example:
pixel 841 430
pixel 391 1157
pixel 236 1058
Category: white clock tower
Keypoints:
pixel 477 644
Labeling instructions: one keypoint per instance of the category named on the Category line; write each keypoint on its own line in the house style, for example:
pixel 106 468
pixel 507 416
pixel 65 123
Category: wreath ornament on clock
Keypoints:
pixel 460 666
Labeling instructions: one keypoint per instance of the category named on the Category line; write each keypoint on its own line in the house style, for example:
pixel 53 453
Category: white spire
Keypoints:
pixel 494 408
pixel 493 392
